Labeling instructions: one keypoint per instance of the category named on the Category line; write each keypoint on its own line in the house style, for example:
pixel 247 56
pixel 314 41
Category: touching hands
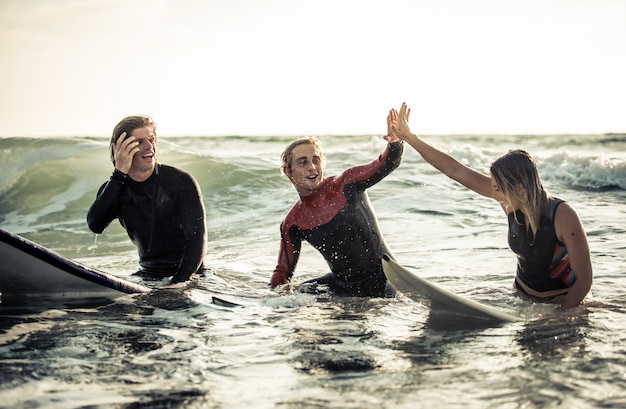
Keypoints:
pixel 401 128
pixel 123 152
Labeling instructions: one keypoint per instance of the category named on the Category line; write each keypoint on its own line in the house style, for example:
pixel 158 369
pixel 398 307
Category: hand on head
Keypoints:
pixel 123 151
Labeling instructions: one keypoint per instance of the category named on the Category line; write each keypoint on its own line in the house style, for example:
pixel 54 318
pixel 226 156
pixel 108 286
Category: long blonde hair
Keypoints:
pixel 516 175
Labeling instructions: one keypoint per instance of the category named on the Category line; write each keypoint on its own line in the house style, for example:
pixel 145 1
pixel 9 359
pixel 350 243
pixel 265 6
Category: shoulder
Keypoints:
pixel 170 172
pixel 566 222
pixel 179 182
pixel 561 209
pixel 564 211
pixel 292 218
pixel 102 187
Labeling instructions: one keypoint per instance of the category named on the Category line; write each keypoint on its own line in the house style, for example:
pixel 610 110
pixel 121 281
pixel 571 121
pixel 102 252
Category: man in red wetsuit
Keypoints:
pixel 335 216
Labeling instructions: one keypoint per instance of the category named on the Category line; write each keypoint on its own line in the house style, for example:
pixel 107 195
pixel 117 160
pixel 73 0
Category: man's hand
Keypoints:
pixel 123 152
pixel 278 278
pixel 401 128
pixel 392 120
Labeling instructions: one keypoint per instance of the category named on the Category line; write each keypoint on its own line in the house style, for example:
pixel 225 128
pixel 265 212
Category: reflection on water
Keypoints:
pixel 175 348
pixel 325 346
pixel 554 337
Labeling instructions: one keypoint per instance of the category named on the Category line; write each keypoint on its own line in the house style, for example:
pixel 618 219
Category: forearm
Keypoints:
pixel 194 228
pixel 396 149
pixel 577 292
pixel 582 269
pixel 368 175
pixel 443 162
pixel 287 259
pixel 104 209
pixel 191 261
pixel 284 271
pixel 451 167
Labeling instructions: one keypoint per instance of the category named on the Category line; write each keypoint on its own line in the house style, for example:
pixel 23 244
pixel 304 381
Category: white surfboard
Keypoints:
pixel 28 269
pixel 439 299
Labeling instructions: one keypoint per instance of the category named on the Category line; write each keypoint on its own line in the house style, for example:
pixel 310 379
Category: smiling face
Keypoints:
pixel 305 170
pixel 144 160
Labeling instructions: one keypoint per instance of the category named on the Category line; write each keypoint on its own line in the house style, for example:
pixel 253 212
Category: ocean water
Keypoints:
pixel 174 348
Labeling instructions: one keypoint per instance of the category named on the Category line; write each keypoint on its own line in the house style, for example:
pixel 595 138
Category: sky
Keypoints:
pixel 312 67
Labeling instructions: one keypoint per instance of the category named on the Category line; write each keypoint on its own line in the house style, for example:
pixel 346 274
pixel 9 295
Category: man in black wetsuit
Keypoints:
pixel 335 216
pixel 160 206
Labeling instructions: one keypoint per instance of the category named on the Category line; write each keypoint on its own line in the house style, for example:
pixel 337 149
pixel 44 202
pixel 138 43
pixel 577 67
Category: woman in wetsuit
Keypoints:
pixel 335 216
pixel 160 206
pixel 546 234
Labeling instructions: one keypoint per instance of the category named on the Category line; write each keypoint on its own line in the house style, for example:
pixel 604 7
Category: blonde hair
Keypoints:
pixel 516 175
pixel 286 156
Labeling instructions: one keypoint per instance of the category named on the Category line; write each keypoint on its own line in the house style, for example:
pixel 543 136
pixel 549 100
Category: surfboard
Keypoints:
pixel 30 270
pixel 440 300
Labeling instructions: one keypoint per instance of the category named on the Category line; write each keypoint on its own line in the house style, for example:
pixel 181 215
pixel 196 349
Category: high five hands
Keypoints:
pixel 401 126
pixel 398 124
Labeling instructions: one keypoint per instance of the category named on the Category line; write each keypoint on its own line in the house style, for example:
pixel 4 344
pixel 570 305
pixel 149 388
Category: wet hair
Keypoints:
pixel 286 156
pixel 516 175
pixel 129 124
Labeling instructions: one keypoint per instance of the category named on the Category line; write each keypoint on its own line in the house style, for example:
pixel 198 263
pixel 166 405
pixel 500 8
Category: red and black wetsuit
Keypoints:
pixel 338 220
pixel 163 216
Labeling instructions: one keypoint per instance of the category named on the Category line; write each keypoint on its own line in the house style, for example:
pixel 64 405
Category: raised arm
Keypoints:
pixel 445 163
pixel 365 176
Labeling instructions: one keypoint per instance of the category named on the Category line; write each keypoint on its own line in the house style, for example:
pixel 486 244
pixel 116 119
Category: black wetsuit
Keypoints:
pixel 163 216
pixel 337 219
pixel 538 255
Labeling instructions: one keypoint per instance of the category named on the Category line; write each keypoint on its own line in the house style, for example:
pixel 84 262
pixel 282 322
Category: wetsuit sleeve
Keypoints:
pixel 287 256
pixel 365 176
pixel 106 206
pixel 192 211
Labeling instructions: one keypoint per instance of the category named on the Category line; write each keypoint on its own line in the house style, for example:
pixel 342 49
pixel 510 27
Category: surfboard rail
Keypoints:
pixel 425 292
pixel 26 268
